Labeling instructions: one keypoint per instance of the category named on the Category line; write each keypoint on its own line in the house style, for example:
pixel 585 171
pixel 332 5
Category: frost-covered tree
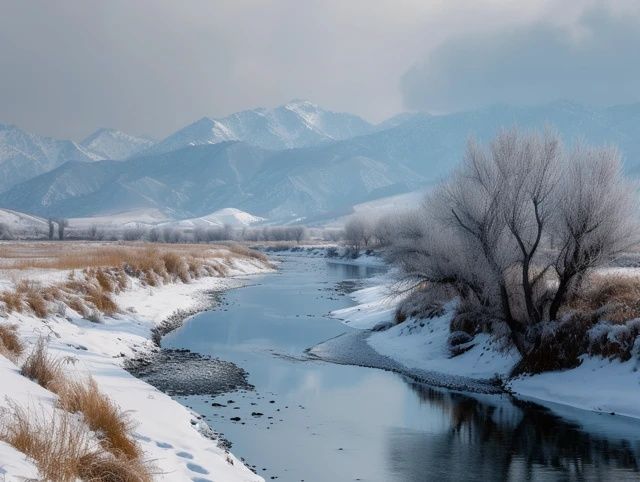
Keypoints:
pixel 596 218
pixel 519 224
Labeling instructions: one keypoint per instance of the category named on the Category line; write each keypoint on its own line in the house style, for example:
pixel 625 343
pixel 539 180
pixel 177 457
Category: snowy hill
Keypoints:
pixel 297 124
pixel 21 223
pixel 115 144
pixel 221 217
pixel 24 155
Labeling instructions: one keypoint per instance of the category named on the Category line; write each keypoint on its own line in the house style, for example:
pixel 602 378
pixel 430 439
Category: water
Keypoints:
pixel 326 422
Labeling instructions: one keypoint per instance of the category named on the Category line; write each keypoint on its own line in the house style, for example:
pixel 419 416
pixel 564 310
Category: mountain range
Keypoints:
pixel 295 162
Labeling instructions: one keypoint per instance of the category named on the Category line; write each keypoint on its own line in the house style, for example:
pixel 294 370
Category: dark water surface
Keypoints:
pixel 316 421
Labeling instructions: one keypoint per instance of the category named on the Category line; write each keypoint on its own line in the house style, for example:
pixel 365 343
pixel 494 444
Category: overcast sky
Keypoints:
pixel 149 67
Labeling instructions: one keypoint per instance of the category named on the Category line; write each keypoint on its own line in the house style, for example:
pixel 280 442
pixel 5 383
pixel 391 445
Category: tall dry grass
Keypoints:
pixel 41 367
pixel 101 414
pixel 101 448
pixel 10 344
pixel 64 449
pixel 97 272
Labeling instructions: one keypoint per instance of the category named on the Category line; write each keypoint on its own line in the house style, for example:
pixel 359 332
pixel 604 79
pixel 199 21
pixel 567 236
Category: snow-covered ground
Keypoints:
pixel 168 432
pixel 597 384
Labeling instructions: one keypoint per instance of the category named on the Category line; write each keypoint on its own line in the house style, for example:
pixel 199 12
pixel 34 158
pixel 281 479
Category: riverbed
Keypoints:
pixel 309 420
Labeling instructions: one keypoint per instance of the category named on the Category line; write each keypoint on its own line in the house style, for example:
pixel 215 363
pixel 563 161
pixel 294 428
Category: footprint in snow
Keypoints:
pixel 200 479
pixel 185 455
pixel 164 445
pixel 197 468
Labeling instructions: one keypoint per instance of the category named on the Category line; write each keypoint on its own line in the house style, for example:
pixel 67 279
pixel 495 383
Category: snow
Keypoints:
pixel 114 144
pixel 167 431
pixel 375 304
pixel 599 385
pixel 298 123
pixel 229 216
pixel 146 216
pixel 423 345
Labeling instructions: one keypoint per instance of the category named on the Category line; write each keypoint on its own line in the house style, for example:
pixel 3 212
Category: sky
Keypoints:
pixel 149 67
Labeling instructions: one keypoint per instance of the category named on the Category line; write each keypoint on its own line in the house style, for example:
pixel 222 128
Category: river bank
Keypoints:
pixel 343 422
pixel 598 384
pixel 175 440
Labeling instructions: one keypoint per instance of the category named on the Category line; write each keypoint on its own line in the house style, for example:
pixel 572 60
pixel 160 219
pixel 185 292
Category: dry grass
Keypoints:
pixel 101 415
pixel 56 444
pixel 41 367
pixel 114 455
pixel 615 298
pixel 99 270
pixel 10 344
pixel 63 448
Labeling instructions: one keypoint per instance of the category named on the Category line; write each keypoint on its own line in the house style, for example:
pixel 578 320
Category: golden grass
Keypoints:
pixel 100 414
pixel 99 270
pixel 56 444
pixel 10 345
pixel 115 456
pixel 41 367
pixel 617 298
pixel 63 448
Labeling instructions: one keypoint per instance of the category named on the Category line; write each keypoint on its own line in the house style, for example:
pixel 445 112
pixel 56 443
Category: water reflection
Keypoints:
pixel 496 438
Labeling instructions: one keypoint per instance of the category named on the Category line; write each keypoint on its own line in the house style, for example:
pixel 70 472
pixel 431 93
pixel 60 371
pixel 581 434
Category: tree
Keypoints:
pixel 62 224
pixel 355 233
pixel 51 229
pixel 520 220
pixel 596 218
pixel 5 232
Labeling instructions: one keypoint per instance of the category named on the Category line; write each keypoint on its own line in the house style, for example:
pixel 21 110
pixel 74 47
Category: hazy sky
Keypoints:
pixel 152 66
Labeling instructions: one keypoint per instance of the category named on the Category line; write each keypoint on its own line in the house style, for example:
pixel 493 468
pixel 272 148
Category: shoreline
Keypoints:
pixel 417 349
pixel 177 439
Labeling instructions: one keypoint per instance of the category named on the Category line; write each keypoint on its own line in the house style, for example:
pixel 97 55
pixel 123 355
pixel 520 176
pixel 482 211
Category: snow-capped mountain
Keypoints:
pixel 299 123
pixel 316 182
pixel 24 155
pixel 115 144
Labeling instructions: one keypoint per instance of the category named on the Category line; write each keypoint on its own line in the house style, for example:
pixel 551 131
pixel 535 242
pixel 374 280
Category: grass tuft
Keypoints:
pixel 10 345
pixel 41 367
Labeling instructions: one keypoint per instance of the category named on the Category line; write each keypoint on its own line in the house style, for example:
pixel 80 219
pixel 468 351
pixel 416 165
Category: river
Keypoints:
pixel 313 421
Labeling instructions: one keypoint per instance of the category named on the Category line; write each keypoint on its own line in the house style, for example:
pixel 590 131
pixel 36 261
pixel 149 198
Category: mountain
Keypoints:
pixel 311 183
pixel 115 144
pixel 24 155
pixel 194 181
pixel 299 123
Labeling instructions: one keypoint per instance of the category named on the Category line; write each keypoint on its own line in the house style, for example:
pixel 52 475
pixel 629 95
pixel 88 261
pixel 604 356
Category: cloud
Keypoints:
pixel 594 61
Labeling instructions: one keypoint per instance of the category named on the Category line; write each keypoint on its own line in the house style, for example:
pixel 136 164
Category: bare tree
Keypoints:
pixel 5 232
pixel 62 224
pixel 521 206
pixel 596 218
pixel 51 229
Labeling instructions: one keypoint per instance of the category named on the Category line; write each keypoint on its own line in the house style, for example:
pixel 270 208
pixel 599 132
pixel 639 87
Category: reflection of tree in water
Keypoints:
pixel 503 440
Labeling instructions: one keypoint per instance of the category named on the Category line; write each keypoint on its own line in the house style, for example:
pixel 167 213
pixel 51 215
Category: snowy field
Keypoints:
pixel 598 384
pixel 170 435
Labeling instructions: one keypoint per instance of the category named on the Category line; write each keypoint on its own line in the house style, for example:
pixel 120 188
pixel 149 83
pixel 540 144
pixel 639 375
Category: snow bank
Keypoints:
pixel 168 432
pixel 597 384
